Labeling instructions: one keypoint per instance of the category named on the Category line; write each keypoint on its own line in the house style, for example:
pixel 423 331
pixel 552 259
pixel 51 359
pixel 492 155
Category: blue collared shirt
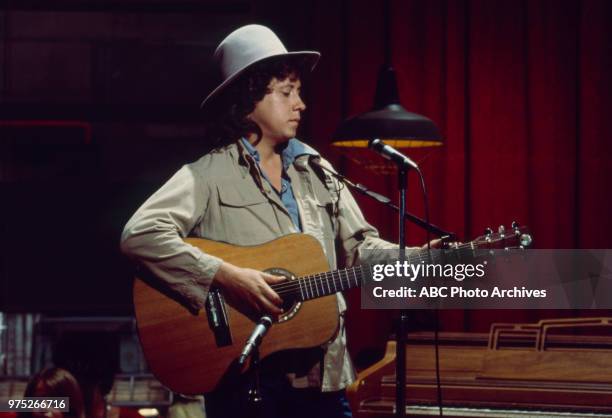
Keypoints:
pixel 293 149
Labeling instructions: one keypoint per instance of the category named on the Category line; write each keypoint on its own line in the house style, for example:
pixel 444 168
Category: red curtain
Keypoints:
pixel 522 93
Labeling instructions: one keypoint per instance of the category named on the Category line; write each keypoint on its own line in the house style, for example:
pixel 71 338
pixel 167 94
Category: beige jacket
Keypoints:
pixel 224 197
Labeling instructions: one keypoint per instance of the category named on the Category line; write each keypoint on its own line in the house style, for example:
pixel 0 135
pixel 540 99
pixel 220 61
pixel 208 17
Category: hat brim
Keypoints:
pixel 312 55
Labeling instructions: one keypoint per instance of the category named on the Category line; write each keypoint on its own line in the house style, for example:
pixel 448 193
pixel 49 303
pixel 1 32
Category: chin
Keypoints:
pixel 286 137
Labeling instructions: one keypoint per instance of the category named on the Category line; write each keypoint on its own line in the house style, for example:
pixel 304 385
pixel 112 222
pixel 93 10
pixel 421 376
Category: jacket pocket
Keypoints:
pixel 245 217
pixel 237 197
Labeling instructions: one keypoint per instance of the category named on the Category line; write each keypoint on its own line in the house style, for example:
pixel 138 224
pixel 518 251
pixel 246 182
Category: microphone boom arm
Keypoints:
pixel 387 202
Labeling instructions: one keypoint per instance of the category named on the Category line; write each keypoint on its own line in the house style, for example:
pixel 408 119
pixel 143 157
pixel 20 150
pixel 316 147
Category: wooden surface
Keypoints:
pixel 180 347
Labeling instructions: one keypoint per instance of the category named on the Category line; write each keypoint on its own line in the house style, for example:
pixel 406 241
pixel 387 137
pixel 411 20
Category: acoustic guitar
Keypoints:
pixel 193 354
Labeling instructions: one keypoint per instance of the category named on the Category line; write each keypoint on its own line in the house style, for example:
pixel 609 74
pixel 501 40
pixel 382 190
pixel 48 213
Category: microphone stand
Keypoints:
pixel 254 396
pixel 400 347
pixel 251 349
pixel 360 188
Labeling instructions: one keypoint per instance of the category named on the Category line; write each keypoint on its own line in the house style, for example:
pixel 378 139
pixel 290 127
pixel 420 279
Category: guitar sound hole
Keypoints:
pixel 289 310
pixel 290 305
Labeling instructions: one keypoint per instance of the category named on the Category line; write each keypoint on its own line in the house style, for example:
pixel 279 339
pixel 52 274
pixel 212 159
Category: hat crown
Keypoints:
pixel 246 46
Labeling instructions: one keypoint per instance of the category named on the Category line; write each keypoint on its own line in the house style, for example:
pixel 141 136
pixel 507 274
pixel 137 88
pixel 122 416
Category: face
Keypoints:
pixel 278 113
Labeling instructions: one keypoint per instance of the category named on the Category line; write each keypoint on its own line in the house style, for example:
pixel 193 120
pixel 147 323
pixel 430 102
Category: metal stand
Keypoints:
pixel 255 400
pixel 400 347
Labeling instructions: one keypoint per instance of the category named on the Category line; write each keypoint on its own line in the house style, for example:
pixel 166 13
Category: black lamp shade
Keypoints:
pixel 388 121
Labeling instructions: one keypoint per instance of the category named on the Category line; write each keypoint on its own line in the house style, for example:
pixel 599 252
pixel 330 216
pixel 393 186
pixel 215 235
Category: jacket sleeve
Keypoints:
pixel 153 237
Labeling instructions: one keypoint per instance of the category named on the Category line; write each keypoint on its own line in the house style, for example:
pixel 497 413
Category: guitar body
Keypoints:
pixel 181 348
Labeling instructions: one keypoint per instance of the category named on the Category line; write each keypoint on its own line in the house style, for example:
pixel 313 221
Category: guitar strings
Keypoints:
pixel 320 277
pixel 315 285
pixel 306 282
pixel 318 288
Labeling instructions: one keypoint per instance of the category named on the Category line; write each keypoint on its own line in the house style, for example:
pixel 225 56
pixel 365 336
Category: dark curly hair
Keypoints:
pixel 226 116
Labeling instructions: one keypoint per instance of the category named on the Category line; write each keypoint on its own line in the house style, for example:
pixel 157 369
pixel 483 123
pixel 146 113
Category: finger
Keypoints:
pixel 272 296
pixel 267 290
pixel 268 307
pixel 271 279
pixel 431 244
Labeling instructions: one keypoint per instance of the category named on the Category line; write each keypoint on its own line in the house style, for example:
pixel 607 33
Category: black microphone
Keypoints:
pixel 391 153
pixel 265 322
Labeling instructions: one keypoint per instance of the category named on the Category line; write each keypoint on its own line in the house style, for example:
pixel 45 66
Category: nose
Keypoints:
pixel 299 104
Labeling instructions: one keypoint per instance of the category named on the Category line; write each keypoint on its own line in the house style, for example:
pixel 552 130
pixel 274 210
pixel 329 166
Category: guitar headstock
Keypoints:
pixel 515 237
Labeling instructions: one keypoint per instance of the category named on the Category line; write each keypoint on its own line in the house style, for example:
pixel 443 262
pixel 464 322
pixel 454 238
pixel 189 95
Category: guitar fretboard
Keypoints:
pixel 324 284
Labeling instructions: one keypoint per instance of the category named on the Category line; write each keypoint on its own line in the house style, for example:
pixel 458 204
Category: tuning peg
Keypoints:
pixel 526 240
pixel 488 233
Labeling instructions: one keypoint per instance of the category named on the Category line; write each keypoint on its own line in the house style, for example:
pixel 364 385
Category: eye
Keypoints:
pixel 286 93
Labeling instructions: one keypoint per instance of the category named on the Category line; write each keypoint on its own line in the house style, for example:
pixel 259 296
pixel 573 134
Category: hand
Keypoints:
pixel 249 290
pixel 438 243
pixel 435 243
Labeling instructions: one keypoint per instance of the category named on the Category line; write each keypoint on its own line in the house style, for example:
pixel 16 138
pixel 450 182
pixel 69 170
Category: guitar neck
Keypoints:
pixel 324 284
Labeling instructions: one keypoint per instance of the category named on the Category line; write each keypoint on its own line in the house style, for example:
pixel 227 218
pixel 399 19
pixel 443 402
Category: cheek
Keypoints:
pixel 262 111
pixel 269 114
pixel 257 117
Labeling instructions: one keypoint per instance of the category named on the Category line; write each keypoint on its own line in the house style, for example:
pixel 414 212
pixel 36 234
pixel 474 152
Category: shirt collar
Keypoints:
pixel 294 149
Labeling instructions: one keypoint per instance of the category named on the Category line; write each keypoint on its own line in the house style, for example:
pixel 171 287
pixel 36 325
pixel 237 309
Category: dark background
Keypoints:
pixel 99 105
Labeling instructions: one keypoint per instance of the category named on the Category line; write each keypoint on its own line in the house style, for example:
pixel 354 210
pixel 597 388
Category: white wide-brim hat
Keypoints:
pixel 246 46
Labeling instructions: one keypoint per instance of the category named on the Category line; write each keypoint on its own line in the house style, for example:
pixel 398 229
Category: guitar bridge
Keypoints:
pixel 217 318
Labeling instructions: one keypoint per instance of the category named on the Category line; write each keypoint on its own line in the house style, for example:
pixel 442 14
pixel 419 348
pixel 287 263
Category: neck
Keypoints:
pixel 267 148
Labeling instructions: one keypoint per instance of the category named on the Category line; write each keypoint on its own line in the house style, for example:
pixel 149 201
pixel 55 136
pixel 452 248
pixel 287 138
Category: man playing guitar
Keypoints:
pixel 257 184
